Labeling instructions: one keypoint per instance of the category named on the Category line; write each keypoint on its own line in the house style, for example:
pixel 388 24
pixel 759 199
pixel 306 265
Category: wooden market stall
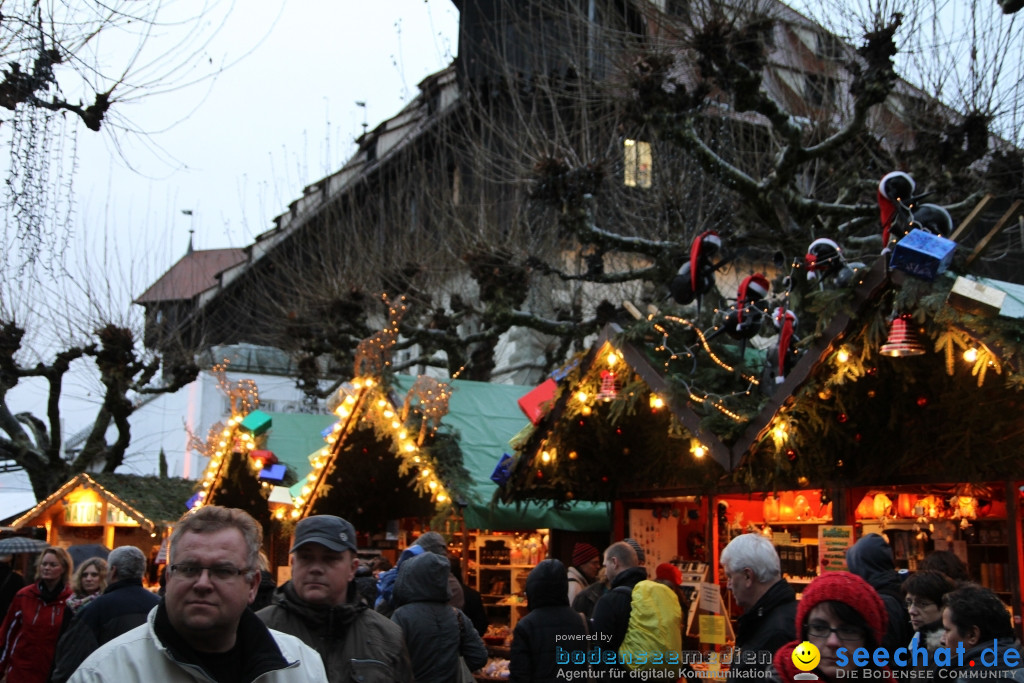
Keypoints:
pixel 923 412
pixel 111 510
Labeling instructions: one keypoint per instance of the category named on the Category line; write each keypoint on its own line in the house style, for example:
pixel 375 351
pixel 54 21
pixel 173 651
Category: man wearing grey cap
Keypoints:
pixel 321 607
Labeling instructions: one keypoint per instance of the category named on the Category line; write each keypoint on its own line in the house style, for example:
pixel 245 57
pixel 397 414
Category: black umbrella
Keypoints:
pixel 81 553
pixel 21 544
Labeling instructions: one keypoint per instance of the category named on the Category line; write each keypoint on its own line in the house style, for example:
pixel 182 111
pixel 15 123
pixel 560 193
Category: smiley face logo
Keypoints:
pixel 806 656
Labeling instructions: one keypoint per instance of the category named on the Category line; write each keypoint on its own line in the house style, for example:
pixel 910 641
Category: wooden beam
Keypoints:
pixel 1003 220
pixel 975 212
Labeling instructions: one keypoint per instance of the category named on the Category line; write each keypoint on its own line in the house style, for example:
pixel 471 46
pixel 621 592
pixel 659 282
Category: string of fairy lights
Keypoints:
pixel 368 401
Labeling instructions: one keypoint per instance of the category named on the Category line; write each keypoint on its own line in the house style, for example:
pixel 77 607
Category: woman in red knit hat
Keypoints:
pixel 837 610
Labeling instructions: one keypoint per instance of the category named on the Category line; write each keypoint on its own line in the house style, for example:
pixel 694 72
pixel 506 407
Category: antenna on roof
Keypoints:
pixel 190 233
pixel 362 103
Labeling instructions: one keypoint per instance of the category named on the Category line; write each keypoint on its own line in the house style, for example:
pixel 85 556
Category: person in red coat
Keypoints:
pixel 28 637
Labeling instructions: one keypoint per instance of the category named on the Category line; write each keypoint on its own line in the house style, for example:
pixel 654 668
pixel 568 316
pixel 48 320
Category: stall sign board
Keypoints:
pixel 833 542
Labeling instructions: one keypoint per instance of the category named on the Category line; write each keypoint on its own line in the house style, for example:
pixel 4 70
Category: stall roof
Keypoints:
pixel 486 416
pixel 152 501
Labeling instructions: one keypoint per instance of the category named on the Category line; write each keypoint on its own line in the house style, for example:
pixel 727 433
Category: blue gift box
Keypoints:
pixel 502 470
pixel 922 254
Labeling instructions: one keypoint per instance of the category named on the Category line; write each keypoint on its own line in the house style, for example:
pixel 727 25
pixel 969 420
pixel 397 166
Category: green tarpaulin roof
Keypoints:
pixel 485 416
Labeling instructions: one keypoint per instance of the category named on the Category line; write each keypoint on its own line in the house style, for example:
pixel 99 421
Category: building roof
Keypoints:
pixel 193 274
pixel 152 501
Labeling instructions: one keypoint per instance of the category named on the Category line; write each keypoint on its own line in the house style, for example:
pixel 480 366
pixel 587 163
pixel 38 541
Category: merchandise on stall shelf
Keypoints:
pixel 497 634
pixel 496 668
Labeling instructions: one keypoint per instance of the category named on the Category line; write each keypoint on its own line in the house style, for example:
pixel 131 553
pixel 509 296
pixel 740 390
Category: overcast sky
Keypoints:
pixel 284 116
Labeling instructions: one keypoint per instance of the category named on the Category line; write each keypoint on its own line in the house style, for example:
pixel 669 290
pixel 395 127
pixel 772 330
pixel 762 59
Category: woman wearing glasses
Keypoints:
pixel 28 637
pixel 924 590
pixel 836 610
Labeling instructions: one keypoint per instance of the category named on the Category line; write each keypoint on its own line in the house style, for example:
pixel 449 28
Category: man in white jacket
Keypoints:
pixel 202 629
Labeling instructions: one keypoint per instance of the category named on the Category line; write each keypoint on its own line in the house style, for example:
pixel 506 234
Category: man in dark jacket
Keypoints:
pixel 320 607
pixel 550 624
pixel 611 613
pixel 870 558
pixel 768 622
pixel 123 606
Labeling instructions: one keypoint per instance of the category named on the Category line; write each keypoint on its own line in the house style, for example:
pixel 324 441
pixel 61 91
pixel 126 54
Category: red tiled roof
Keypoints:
pixel 195 273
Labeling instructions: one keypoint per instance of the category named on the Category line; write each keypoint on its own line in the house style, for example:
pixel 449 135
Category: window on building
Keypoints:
pixel 637 162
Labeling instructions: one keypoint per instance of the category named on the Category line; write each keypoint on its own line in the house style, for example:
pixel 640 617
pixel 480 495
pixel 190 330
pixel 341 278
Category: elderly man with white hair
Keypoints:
pixel 754 574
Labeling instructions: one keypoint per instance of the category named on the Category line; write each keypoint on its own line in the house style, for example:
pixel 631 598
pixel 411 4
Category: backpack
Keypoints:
pixel 654 637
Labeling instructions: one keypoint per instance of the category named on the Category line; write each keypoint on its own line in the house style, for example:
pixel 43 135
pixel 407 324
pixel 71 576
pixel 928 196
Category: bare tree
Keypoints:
pixel 76 63
pixel 590 143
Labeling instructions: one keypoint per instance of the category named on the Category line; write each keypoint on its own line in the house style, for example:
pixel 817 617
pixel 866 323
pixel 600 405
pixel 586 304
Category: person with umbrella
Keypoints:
pixel 28 637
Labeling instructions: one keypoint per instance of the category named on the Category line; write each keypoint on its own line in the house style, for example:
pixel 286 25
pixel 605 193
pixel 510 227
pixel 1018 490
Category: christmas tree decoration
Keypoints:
pixel 696 277
pixel 824 259
pixel 903 340
pixel 976 298
pixel 922 254
pixel 536 403
pixel 895 197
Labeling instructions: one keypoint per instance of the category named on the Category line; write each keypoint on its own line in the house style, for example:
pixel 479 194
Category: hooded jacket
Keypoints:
pixel 432 627
pixel 430 542
pixel 141 655
pixel 550 623
pixel 355 642
pixel 765 627
pixel 29 634
pixel 870 558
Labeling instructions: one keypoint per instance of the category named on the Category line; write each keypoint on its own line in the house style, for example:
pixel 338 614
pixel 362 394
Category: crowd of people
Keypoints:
pixel 219 616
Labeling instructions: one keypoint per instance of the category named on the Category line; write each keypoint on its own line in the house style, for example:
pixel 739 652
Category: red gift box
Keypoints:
pixel 537 402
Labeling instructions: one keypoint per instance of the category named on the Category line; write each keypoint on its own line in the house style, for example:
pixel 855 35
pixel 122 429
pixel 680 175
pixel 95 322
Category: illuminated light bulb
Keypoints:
pixel 388 414
pixel 295 514
pixel 369 382
pixel 206 484
pixel 279 513
pixel 332 438
pixel 425 472
pixel 441 498
pixel 342 411
pixel 324 452
pixel 657 403
pixel 395 424
pixel 581 396
pixel 226 432
pixel 612 359
pixel 432 485
pixel 381 403
pixel 971 355
pixel 779 431
pixel 843 355
pixel 699 451
pixel 416 458
pixel 585 411
pixel 350 399
pixel 410 448
pixel 307 489
pixel 223 444
pixel 299 501
pixel 402 434
pixel 545 456
pixel 573 455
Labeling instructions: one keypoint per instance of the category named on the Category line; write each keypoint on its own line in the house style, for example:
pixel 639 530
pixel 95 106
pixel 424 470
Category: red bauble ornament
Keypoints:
pixel 604 479
pixel 922 401
pixel 540 475
pixel 791 454
pixel 842 418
